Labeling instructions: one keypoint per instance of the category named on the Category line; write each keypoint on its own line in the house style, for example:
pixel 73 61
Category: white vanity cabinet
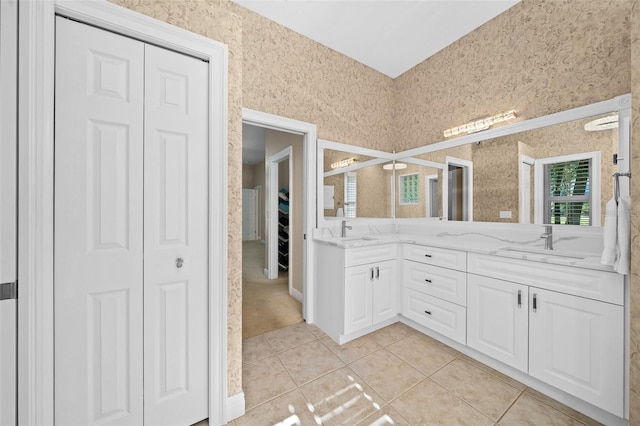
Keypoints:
pixel 533 320
pixel 369 295
pixel 498 320
pixel 434 291
pixel 356 289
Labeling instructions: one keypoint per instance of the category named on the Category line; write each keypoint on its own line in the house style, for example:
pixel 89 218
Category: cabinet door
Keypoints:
pixel 497 319
pixel 576 345
pixel 384 291
pixel 357 298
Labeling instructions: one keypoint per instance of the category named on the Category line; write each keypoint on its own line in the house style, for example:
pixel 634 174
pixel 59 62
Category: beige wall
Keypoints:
pixel 247 176
pixel 252 178
pixel 538 57
pixel 275 142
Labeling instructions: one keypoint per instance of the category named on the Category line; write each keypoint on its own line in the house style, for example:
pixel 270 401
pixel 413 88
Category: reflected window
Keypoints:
pixel 350 194
pixel 568 192
pixel 408 188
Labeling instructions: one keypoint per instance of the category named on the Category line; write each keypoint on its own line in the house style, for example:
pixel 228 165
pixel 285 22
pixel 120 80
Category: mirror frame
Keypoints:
pixel 620 104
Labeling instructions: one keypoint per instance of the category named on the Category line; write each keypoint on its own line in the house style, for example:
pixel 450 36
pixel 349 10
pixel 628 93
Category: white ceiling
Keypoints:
pixel 388 36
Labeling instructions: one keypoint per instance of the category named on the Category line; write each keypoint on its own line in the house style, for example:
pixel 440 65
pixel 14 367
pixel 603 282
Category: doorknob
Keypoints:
pixel 179 262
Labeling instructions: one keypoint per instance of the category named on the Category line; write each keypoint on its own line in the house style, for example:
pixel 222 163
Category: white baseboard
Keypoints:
pixel 235 406
pixel 265 271
pixel 296 294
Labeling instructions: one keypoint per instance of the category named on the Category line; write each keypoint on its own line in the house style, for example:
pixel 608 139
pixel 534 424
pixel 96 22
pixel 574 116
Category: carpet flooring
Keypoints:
pixel 266 304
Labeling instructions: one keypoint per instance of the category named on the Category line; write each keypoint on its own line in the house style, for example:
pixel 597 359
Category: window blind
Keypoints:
pixel 567 193
pixel 350 194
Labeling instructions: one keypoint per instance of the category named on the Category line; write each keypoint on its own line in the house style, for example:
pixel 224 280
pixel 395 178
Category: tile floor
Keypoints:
pixel 395 374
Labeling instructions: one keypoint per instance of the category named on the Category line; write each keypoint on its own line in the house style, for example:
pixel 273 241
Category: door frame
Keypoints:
pixel 524 193
pixel 428 194
pixel 467 187
pixel 309 217
pixel 273 170
pixel 36 173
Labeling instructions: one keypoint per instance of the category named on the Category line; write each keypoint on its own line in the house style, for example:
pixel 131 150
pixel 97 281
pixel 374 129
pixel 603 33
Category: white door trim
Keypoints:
pixel 525 192
pixel 273 168
pixel 36 123
pixel 308 131
pixel 427 193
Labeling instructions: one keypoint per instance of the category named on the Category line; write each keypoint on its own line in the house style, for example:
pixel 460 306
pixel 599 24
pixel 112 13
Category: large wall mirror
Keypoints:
pixel 555 169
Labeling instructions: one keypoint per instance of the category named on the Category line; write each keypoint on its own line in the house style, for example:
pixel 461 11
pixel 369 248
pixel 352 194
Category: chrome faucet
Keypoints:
pixel 344 228
pixel 548 237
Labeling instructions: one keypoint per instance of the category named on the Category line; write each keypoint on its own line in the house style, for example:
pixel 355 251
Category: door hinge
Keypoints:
pixel 304 236
pixel 9 290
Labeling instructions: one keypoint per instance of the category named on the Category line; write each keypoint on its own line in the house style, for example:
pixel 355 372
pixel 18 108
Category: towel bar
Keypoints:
pixel 616 183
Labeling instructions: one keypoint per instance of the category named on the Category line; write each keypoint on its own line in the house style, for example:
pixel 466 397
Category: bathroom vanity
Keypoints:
pixel 527 296
pixel 557 321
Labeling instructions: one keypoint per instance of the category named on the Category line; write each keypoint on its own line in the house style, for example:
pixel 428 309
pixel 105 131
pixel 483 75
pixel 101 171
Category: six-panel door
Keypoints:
pixel 130 200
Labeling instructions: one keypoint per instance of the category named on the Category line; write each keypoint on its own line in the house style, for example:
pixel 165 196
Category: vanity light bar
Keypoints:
pixel 480 124
pixel 396 166
pixel 604 123
pixel 343 163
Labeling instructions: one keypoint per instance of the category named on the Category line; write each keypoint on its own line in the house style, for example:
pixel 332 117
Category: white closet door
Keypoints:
pixel 175 238
pixel 98 227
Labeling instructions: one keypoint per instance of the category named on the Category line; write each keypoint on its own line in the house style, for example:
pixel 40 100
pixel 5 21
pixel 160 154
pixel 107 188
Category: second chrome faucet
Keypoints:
pixel 344 228
pixel 548 237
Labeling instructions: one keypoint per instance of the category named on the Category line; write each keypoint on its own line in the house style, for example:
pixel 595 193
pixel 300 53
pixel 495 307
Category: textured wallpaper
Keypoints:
pixel 287 74
pixel 538 57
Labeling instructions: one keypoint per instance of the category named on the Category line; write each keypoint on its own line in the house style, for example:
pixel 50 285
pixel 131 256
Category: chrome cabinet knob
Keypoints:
pixel 179 262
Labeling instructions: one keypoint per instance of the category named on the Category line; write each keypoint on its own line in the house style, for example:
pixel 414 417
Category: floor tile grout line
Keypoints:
pixel 490 370
pixel 511 405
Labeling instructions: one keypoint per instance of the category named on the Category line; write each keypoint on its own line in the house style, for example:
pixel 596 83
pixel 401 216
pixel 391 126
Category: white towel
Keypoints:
pixel 617 235
pixel 624 235
pixel 610 231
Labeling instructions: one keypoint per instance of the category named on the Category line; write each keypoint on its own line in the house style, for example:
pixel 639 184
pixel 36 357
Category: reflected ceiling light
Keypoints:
pixel 604 123
pixel 480 124
pixel 343 163
pixel 398 166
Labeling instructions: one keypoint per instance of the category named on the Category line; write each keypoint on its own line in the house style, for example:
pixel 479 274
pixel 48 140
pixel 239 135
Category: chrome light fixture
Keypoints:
pixel 603 123
pixel 480 124
pixel 396 166
pixel 343 163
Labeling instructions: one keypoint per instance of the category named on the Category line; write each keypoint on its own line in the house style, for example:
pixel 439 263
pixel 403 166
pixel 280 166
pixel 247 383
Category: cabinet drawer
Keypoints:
pixel 436 256
pixel 598 285
pixel 369 254
pixel 444 283
pixel 443 317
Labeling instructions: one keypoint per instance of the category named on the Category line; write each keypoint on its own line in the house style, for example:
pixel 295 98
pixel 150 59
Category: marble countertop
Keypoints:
pixel 476 243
